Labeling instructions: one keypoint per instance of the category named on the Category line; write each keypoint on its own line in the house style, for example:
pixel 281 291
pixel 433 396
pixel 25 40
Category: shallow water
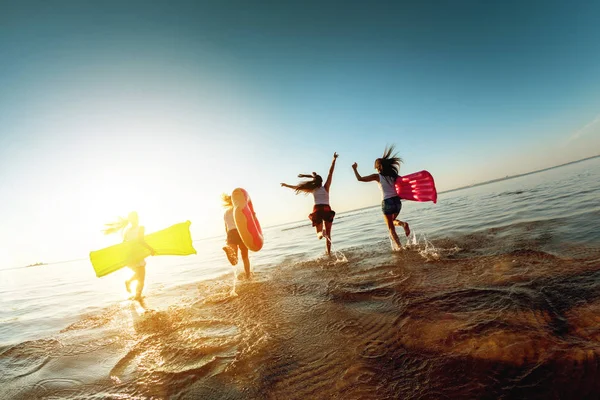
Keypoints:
pixel 497 295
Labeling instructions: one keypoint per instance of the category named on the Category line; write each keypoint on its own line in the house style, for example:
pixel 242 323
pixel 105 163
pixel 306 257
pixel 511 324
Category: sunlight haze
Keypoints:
pixel 110 107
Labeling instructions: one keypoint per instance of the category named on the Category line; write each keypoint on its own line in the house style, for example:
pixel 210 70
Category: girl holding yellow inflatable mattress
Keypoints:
pixel 134 233
pixel 322 215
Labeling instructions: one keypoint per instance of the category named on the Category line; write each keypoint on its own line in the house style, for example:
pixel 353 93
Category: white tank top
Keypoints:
pixel 229 221
pixel 388 189
pixel 132 233
pixel 321 196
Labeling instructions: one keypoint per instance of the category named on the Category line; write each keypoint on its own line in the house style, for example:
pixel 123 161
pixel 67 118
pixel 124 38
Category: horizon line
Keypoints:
pixel 355 209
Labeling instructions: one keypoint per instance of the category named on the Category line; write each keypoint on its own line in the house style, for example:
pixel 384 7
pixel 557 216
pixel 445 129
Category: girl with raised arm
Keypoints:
pixel 387 168
pixel 322 215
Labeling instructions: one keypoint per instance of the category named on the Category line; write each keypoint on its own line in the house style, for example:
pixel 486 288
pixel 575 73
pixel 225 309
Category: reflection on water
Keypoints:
pixel 497 295
pixel 518 324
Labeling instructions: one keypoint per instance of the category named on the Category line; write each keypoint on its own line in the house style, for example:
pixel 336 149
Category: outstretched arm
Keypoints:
pixel 328 181
pixel 288 186
pixel 370 178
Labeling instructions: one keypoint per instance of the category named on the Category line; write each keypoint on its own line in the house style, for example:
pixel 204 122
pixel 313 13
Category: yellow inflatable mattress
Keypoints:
pixel 175 240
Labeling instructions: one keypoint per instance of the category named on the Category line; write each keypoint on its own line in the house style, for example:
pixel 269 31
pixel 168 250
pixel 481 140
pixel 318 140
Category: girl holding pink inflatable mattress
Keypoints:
pixel 387 168
pixel 322 215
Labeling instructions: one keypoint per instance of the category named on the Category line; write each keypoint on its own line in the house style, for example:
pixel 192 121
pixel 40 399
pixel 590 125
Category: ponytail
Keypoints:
pixel 309 186
pixel 226 199
pixel 117 226
pixel 121 224
pixel 389 163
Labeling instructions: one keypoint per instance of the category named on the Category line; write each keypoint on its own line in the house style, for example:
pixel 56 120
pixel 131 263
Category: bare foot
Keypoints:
pixel 404 225
pixel 140 300
pixel 231 256
pixel 137 297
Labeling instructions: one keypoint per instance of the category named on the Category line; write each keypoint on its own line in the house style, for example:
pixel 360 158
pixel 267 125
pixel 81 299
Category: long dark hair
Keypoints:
pixel 309 186
pixel 389 163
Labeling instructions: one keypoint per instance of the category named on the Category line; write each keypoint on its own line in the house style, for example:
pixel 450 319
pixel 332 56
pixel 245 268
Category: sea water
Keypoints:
pixel 495 294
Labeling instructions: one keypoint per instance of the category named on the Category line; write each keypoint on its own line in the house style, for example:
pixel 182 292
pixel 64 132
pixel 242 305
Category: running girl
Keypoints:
pixel 387 168
pixel 134 233
pixel 322 215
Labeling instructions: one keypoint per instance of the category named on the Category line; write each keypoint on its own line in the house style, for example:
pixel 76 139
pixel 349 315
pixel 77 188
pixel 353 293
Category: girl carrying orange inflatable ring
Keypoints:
pixel 234 240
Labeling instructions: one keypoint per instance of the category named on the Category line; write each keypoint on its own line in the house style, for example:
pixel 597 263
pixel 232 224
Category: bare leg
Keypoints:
pixel 328 236
pixel 140 277
pixel 246 260
pixel 403 224
pixel 134 277
pixel 128 283
pixel 389 219
pixel 231 251
pixel 319 228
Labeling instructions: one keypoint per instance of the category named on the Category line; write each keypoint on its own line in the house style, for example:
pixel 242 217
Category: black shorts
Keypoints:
pixel 321 212
pixel 391 206
pixel 233 238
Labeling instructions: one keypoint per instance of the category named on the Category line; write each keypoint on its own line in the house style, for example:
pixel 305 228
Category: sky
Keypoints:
pixel 159 107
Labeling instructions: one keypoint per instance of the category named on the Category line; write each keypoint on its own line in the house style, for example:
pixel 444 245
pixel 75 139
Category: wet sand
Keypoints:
pixel 454 324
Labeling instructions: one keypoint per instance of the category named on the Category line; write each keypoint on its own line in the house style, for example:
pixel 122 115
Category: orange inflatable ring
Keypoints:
pixel 245 220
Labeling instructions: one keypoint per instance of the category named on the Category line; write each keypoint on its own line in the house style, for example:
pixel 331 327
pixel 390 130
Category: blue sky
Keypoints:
pixel 111 106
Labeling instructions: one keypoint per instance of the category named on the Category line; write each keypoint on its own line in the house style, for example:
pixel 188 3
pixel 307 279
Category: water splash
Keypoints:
pixel 412 240
pixel 394 245
pixel 429 252
pixel 424 247
pixel 339 257
pixel 233 293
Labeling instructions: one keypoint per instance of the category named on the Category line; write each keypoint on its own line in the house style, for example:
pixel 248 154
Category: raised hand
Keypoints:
pixel 355 165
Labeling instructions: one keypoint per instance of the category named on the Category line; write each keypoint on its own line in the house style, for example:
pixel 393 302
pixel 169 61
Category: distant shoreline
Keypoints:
pixel 362 208
pixel 456 189
pixel 35 265
pixel 519 175
pixel 48 263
